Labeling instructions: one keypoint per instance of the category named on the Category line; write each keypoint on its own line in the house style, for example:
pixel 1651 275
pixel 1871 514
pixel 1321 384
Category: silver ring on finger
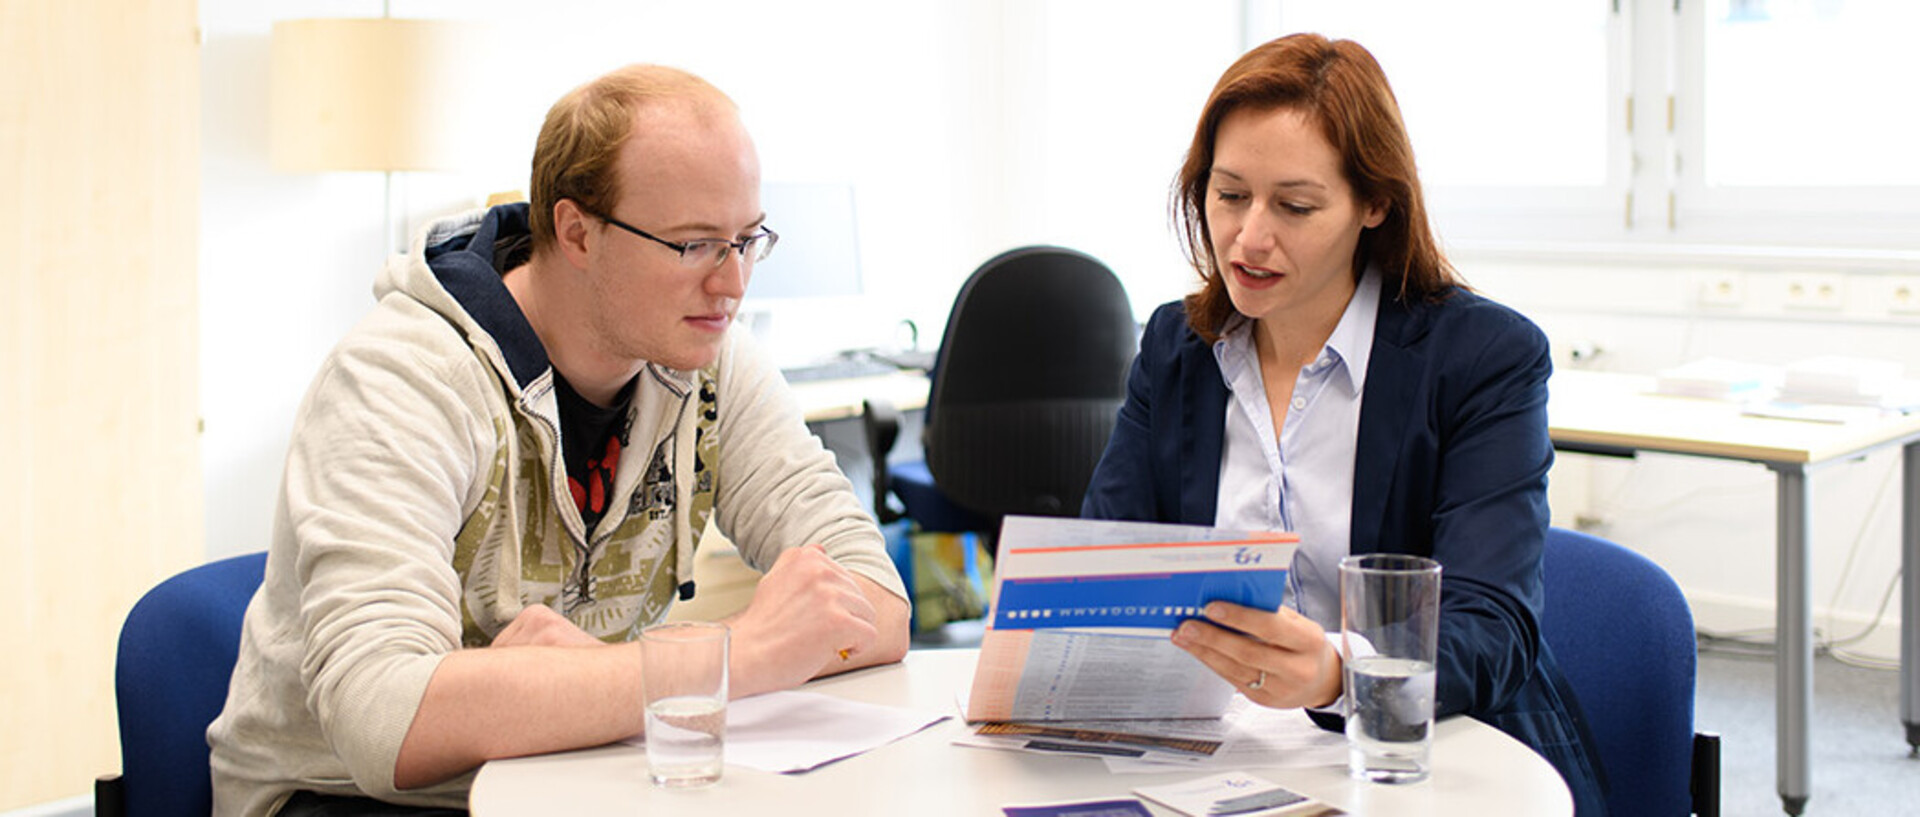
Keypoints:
pixel 1258 682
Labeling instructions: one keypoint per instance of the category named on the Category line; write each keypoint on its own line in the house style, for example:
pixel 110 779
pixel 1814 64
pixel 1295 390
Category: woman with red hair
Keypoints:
pixel 1334 377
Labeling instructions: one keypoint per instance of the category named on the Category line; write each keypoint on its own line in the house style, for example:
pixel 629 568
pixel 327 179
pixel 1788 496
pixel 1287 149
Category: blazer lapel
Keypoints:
pixel 1203 422
pixel 1394 372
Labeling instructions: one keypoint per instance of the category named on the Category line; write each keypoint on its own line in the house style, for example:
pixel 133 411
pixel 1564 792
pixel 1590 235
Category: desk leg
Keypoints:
pixel 1793 665
pixel 1910 596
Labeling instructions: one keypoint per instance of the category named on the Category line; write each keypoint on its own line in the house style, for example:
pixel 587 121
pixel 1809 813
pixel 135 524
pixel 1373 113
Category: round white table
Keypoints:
pixel 1477 770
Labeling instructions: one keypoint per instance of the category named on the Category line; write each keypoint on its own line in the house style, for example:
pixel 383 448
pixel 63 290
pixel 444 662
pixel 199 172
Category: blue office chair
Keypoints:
pixel 1026 385
pixel 1623 634
pixel 177 651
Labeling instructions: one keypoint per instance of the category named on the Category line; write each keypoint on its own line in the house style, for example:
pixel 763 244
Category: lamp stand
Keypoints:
pixel 393 235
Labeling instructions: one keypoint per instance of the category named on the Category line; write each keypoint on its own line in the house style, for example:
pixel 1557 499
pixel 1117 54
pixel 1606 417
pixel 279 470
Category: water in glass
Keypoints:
pixel 1390 720
pixel 684 740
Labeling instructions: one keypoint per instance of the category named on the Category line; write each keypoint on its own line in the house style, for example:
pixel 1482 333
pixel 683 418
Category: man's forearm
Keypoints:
pixel 483 704
pixel 892 618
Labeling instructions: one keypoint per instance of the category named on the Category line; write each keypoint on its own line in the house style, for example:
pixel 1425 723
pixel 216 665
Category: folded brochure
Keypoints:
pixel 1235 793
pixel 1083 609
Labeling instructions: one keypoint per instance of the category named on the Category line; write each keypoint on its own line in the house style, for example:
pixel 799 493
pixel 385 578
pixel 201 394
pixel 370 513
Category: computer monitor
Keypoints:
pixel 805 302
pixel 819 251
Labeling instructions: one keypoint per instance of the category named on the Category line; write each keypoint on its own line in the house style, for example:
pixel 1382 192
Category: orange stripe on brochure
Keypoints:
pixel 1278 539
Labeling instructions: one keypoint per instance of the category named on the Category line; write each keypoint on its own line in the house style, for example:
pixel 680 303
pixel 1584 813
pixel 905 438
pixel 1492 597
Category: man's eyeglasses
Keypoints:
pixel 702 253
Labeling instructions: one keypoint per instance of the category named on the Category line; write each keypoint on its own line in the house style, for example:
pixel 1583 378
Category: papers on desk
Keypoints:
pixel 1826 389
pixel 1717 379
pixel 1248 735
pixel 1865 383
pixel 1851 381
pixel 1083 610
pixel 1259 736
pixel 1811 412
pixel 1834 389
pixel 1127 807
pixel 1235 793
pixel 786 732
pixel 1183 741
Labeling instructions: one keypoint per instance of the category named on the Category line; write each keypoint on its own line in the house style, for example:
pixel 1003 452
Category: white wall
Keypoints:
pixel 968 128
pixel 286 265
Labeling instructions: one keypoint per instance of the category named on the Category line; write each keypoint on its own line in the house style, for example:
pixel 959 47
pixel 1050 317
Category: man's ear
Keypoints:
pixel 571 228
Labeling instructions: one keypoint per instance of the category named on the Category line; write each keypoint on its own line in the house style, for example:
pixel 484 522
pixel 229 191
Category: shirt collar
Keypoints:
pixel 1350 346
pixel 1352 339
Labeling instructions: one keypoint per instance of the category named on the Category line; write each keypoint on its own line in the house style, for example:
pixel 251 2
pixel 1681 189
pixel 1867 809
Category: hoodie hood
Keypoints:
pixel 455 268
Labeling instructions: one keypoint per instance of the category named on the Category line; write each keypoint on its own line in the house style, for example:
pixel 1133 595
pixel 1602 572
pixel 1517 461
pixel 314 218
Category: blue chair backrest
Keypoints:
pixel 176 655
pixel 1622 633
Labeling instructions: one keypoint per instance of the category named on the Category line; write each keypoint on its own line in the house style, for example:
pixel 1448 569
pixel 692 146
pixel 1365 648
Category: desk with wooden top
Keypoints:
pixel 828 400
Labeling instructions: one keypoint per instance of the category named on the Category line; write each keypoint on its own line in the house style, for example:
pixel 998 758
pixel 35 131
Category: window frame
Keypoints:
pixel 1655 195
pixel 1826 216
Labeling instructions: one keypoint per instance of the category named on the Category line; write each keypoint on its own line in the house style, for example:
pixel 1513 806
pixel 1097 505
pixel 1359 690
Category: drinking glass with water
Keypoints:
pixel 684 673
pixel 1390 630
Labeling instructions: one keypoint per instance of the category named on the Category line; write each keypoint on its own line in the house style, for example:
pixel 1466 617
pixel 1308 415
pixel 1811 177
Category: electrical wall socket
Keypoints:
pixel 1723 289
pixel 1583 351
pixel 1903 295
pixel 1814 291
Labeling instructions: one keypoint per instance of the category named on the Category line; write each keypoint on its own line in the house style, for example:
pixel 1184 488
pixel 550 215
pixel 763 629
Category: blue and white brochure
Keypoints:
pixel 1083 610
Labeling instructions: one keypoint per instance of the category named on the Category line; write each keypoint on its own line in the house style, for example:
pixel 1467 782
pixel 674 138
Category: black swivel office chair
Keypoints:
pixel 1030 374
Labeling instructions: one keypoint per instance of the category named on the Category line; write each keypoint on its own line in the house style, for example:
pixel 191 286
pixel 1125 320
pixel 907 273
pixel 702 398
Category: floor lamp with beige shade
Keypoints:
pixel 375 94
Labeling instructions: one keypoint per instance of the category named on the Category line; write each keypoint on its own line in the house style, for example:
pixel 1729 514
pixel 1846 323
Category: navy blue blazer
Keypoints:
pixel 1451 463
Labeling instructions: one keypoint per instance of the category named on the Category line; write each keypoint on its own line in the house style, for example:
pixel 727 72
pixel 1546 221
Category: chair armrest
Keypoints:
pixel 1704 783
pixel 881 422
pixel 109 796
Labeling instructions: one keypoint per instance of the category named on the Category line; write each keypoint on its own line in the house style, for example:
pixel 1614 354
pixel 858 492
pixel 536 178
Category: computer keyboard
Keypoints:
pixel 907 358
pixel 839 368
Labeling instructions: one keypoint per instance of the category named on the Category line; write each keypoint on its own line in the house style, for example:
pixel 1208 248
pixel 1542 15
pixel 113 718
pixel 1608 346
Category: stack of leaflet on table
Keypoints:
pixel 1245 735
pixel 1718 379
pixel 1839 389
pixel 1844 381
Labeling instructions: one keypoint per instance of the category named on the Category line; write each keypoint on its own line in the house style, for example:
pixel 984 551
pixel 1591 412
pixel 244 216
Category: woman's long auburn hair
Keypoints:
pixel 1337 84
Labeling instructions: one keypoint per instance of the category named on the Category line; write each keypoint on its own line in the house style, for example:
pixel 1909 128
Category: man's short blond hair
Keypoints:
pixel 579 146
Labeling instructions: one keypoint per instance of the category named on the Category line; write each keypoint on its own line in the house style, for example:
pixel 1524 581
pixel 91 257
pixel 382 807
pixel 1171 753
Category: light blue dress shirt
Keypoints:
pixel 1303 481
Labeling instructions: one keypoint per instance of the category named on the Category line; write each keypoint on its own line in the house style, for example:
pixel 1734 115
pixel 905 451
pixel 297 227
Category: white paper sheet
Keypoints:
pixel 792 731
pixel 1256 736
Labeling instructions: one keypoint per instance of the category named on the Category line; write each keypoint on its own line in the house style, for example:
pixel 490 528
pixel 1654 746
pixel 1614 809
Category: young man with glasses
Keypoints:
pixel 498 478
